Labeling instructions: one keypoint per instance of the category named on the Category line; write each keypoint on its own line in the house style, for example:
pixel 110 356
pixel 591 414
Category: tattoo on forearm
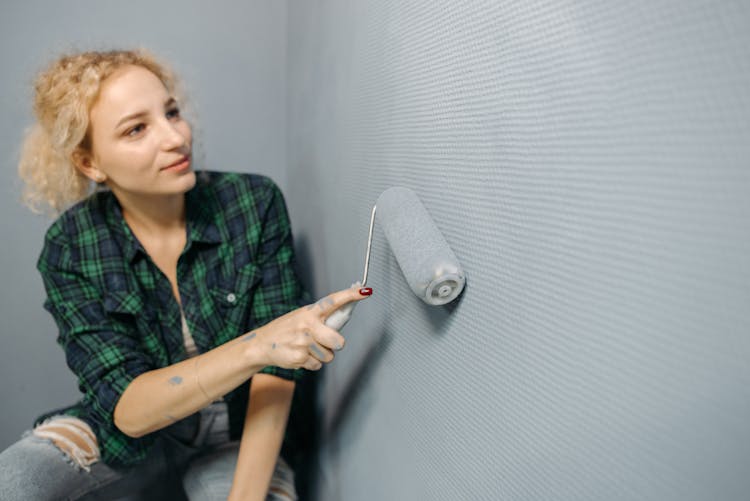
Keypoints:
pixel 175 380
pixel 248 337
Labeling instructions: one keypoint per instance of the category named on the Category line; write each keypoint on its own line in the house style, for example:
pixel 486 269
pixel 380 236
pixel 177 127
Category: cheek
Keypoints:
pixel 138 152
pixel 133 157
pixel 186 130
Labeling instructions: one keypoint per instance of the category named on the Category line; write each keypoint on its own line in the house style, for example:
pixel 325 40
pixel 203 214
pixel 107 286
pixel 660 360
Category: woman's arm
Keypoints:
pixel 160 397
pixel 265 424
pixel 300 338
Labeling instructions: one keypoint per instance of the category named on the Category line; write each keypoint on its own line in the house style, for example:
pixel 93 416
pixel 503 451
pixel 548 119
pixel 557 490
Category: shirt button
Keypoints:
pixel 231 297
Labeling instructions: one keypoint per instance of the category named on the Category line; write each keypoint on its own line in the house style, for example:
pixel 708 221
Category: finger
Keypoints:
pixel 320 352
pixel 327 337
pixel 312 364
pixel 336 300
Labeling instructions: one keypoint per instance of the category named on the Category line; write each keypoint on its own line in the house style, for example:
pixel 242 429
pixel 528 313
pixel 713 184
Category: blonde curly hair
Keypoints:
pixel 64 93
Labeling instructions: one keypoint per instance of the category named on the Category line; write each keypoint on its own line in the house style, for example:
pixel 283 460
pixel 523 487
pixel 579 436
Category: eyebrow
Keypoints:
pixel 169 101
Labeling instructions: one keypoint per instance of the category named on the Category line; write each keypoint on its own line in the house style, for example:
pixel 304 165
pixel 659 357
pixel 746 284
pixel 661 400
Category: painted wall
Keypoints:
pixel 588 164
pixel 231 57
pixel 586 161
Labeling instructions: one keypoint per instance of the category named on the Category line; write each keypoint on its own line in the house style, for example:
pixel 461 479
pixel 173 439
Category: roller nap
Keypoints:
pixel 429 265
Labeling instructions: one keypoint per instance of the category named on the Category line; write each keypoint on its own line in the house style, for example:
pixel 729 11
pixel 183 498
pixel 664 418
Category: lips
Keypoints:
pixel 181 160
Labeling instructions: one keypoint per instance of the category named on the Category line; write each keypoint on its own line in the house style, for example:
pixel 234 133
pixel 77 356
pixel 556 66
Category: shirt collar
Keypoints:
pixel 201 209
pixel 200 215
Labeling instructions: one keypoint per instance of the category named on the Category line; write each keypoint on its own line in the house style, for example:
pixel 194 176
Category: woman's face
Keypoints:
pixel 137 154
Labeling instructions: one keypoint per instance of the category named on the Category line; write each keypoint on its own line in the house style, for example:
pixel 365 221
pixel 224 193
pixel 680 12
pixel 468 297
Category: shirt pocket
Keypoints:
pixel 128 312
pixel 235 294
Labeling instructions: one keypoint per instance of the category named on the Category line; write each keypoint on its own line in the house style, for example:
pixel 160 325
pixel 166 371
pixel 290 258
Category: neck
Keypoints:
pixel 153 214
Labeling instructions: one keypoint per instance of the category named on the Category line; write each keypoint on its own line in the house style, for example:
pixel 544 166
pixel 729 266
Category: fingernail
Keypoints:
pixel 365 291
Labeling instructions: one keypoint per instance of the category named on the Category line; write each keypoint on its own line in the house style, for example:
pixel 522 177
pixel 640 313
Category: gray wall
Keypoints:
pixel 588 163
pixel 231 56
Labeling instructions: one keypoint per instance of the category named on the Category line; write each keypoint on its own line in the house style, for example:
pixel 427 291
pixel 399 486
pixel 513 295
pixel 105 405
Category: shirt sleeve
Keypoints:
pixel 103 353
pixel 280 290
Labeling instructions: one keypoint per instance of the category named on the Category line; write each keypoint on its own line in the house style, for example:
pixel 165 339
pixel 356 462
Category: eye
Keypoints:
pixel 136 129
pixel 174 112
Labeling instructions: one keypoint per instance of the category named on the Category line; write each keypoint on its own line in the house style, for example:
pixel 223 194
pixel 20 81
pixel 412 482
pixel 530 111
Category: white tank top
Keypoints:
pixel 188 338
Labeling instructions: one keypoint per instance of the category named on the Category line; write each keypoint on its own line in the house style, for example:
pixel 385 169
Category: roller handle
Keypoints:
pixel 340 317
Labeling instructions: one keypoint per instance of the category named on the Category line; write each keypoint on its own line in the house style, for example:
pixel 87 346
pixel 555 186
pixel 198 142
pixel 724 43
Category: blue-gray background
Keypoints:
pixel 587 162
pixel 231 56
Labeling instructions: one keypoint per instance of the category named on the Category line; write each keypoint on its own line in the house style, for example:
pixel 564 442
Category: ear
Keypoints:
pixel 84 162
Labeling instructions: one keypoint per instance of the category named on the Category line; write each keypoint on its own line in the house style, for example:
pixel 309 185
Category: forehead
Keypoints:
pixel 128 90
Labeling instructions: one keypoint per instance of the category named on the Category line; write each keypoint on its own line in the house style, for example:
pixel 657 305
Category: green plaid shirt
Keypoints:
pixel 117 316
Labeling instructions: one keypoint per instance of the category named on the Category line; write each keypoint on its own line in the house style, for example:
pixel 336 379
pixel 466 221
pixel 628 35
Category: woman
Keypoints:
pixel 175 296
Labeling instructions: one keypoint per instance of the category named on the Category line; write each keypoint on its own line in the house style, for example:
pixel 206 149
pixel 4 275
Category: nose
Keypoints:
pixel 173 138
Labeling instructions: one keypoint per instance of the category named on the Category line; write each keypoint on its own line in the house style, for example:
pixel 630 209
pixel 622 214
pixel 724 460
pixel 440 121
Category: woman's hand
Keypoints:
pixel 301 339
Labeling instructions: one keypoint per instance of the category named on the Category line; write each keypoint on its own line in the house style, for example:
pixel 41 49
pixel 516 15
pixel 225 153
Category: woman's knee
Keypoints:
pixel 73 437
pixel 35 468
pixel 210 476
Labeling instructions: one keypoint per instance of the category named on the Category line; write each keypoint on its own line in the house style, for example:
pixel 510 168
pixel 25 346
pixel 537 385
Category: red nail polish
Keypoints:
pixel 365 291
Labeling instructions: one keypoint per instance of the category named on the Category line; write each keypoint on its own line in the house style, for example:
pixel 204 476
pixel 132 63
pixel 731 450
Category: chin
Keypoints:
pixel 187 181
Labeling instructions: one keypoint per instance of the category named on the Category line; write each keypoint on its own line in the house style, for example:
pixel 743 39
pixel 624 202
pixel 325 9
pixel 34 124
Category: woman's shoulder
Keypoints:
pixel 82 220
pixel 79 236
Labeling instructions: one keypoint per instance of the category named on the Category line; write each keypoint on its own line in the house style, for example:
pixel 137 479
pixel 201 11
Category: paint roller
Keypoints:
pixel 429 265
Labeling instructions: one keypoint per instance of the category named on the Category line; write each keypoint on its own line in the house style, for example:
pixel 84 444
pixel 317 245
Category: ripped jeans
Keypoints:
pixel 192 460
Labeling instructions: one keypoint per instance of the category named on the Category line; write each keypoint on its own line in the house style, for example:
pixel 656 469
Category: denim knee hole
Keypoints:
pixel 73 453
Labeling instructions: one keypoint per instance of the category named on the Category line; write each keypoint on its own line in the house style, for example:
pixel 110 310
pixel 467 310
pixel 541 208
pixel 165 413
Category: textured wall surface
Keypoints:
pixel 588 164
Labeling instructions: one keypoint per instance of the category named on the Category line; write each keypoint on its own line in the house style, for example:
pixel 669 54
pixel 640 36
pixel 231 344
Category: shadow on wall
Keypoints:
pixel 357 380
pixel 319 425
pixel 304 263
pixel 438 315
